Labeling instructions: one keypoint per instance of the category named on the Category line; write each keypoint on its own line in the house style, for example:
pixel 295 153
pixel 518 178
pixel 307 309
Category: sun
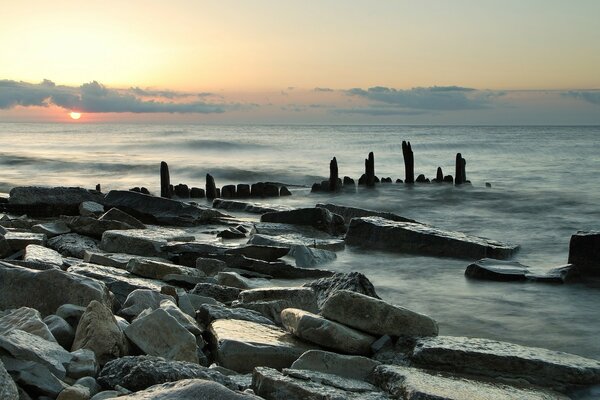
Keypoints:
pixel 74 115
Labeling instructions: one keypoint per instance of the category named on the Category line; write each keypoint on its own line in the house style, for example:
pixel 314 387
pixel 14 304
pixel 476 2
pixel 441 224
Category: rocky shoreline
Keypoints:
pixel 134 296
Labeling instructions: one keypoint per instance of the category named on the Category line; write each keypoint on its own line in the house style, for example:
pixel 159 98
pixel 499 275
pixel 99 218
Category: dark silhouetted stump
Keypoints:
pixel 165 180
pixel 135 189
pixel 398 180
pixel 284 191
pixel 211 188
pixel 421 179
pixel 228 191
pixel 459 178
pixel 218 193
pixel 182 191
pixel 271 190
pixel 316 187
pixel 464 170
pixel 439 177
pixel 370 170
pixel 243 190
pixel 363 179
pixel 257 189
pixel 348 181
pixel 409 162
pixel 448 179
pixel 98 188
pixel 144 190
pixel 386 180
pixel 197 193
pixel 333 175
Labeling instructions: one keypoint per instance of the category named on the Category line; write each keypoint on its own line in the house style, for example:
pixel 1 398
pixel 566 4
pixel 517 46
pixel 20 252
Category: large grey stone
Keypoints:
pixel 91 208
pixel 140 372
pixel 8 388
pixel 319 218
pixel 407 237
pixel 352 212
pixel 271 309
pixel 47 290
pixel 189 389
pixel 208 313
pixel 159 334
pixel 143 242
pixel 412 383
pixel 71 313
pixel 51 229
pixel 353 281
pixel 157 270
pixel 40 257
pixel 221 293
pixel 60 329
pixel 45 201
pixel 83 364
pixel 277 269
pixel 26 319
pixel 20 240
pixel 141 299
pixel 306 257
pixel 493 358
pixel 285 235
pixel 29 347
pixel 115 260
pixel 260 252
pixel 376 316
pixel 253 208
pixel 233 279
pixel 323 332
pixel 353 367
pixel 73 244
pixel 302 384
pixel 90 226
pixel 184 320
pixel 99 332
pixel 210 266
pixel 584 252
pixel 242 345
pixel 114 214
pixel 302 297
pixel 34 375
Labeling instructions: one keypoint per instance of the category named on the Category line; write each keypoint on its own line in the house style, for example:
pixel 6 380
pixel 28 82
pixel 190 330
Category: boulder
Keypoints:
pixel 47 290
pixel 73 245
pixel 352 212
pixel 319 218
pixel 33 375
pixel 584 252
pixel 90 383
pixel 497 270
pixel 183 319
pixel 210 266
pixel 353 281
pixel 92 227
pixel 376 316
pixel 159 334
pixel 26 319
pixel 189 389
pixel 158 210
pixel 224 294
pixel 323 332
pixel 29 347
pixel 60 329
pixel 40 257
pixel 71 313
pixel 493 358
pixel 140 372
pixel 99 332
pixel 19 240
pixel 242 345
pixel 157 270
pixel 407 237
pixel 233 279
pixel 44 201
pixel 75 392
pixel 91 209
pixel 114 214
pixel 231 233
pixel 353 367
pixel 8 389
pixel 83 364
pixel 143 242
pixel 141 299
pixel 301 297
pixel 291 384
pixel 260 252
pixel 307 257
pixel 51 229
pixel 208 313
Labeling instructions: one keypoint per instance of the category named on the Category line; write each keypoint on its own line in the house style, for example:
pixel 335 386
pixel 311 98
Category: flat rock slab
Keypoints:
pixel 51 229
pixel 47 290
pixel 243 345
pixel 224 294
pixel 73 245
pixel 143 242
pixel 90 226
pixel 8 388
pixel 496 270
pixel 323 332
pixel 189 389
pixel 243 206
pixel 20 240
pixel 347 366
pixel 114 214
pixel 208 313
pixel 45 201
pixel 412 383
pixel 157 270
pixel 352 212
pixel 319 218
pixel 40 257
pixel 301 384
pixel 376 316
pixel 34 375
pixel 25 319
pixel 406 237
pixel 304 298
pixel 116 260
pixel 286 235
pixel 260 252
pixel 501 359
pixel 142 299
pixel 353 281
pixel 140 372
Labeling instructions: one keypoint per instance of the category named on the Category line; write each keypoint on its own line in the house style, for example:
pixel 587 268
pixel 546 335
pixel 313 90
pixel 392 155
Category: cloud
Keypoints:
pixel 438 98
pixel 590 96
pixel 322 89
pixel 378 111
pixel 94 97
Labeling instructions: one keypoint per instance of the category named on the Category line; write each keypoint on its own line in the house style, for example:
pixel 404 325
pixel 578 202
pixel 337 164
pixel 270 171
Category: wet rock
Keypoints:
pixel 412 383
pixel 158 210
pixel 353 367
pixel 83 364
pixel 47 290
pixel 40 257
pixel 51 229
pixel 99 332
pixel 284 191
pixel 281 270
pixel 143 242
pixel 114 214
pixel 302 298
pixel 141 299
pixel 140 372
pixel 210 266
pixel 73 245
pixel 159 334
pixel 352 281
pixel 91 209
pixel 19 240
pixel 183 319
pixel 90 383
pixel 303 384
pixel 286 235
pixel 493 358
pixel 29 347
pixel 243 345
pixel 231 233
pixel 307 257
pixel 234 279
pixel 323 332
pixel 382 234
pixel 375 316
pixel 92 227
pixel 253 208
pixel 319 218
pixel 221 293
pixel 352 212
pixel 496 270
pixel 33 375
pixel 52 201
pixel 158 270
pixel 189 389
pixel 260 252
pixel 584 252
pixel 8 389
pixel 25 319
pixel 208 313
pixel 75 392
pixel 60 329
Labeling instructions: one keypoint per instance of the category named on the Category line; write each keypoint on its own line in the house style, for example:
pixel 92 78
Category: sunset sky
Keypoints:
pixel 439 62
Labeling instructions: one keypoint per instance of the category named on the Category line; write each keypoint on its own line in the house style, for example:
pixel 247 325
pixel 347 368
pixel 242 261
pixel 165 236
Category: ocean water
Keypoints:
pixel 545 187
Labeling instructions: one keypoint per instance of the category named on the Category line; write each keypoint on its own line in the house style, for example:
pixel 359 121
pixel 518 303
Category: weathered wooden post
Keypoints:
pixel 370 170
pixel 464 170
pixel 333 175
pixel 165 180
pixel 439 177
pixel 459 179
pixel 211 188
pixel 409 162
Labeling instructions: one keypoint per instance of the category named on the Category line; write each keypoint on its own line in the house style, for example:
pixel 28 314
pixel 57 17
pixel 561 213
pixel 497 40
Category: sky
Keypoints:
pixel 329 61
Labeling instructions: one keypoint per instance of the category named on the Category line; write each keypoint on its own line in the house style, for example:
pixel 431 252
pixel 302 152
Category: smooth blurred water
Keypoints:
pixel 544 188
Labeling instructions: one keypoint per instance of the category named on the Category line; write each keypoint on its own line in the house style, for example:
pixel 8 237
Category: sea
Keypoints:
pixel 545 186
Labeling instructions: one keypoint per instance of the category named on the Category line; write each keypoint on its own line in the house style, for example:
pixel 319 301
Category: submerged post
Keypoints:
pixel 333 175
pixel 464 170
pixel 439 177
pixel 211 188
pixel 370 170
pixel 459 178
pixel 409 162
pixel 165 180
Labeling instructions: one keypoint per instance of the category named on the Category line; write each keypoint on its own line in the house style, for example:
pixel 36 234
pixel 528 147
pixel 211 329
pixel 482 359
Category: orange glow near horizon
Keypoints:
pixel 74 115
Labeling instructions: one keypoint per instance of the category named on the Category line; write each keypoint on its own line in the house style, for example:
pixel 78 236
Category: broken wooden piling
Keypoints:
pixel 333 175
pixel 370 170
pixel 409 162
pixel 165 181
pixel 211 188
